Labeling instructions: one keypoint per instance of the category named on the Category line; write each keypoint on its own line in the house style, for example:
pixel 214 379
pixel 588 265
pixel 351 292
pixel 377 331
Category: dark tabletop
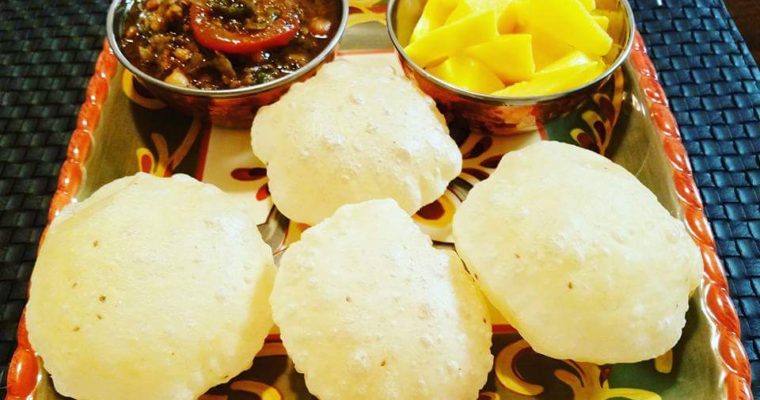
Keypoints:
pixel 47 51
pixel 746 14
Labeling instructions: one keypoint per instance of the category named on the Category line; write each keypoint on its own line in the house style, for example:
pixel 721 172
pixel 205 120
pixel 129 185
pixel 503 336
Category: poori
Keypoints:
pixel 578 255
pixel 152 288
pixel 352 133
pixel 369 309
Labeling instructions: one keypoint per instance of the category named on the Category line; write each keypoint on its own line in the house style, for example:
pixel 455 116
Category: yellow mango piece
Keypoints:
pixel 467 8
pixel 510 19
pixel 433 16
pixel 546 50
pixel 589 5
pixel 449 39
pixel 462 10
pixel 615 23
pixel 602 21
pixel 554 81
pixel 570 60
pixel 489 5
pixel 509 56
pixel 567 21
pixel 467 73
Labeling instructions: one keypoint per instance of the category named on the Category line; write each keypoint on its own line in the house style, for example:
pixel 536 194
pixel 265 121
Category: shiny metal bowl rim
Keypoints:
pixel 510 100
pixel 113 41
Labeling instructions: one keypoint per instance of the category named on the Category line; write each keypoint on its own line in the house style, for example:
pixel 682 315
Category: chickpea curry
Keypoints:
pixel 226 44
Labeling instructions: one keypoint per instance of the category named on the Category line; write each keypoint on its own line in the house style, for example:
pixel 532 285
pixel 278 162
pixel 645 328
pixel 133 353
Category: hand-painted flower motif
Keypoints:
pixel 254 174
pixel 136 92
pixel 601 123
pixel 167 163
pixel 362 11
pixel 587 381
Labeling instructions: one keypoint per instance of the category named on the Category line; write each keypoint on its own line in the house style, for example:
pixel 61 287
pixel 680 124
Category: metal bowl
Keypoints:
pixel 496 114
pixel 225 107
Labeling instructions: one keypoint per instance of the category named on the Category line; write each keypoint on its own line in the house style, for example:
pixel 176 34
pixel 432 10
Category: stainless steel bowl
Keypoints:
pixel 226 107
pixel 488 113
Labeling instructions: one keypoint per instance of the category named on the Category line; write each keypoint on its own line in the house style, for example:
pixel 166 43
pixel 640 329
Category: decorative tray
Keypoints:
pixel 122 129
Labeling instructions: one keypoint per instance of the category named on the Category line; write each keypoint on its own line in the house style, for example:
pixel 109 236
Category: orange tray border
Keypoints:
pixel 24 368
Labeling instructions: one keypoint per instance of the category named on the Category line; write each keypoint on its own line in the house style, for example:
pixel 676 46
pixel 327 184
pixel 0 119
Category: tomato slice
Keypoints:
pixel 214 36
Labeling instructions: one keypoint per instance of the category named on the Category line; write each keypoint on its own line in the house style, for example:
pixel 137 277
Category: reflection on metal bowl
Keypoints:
pixel 225 107
pixel 489 113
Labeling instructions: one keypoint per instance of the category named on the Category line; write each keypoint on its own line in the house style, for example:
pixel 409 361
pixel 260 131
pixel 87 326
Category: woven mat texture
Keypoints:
pixel 47 52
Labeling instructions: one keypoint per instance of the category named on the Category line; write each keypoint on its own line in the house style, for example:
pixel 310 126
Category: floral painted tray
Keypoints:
pixel 122 129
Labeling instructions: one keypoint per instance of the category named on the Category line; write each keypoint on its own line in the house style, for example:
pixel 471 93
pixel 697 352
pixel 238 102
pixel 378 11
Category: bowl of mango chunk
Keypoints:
pixel 507 66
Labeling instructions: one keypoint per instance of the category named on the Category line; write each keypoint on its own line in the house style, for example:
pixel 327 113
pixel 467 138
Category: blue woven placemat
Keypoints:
pixel 47 51
pixel 712 83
